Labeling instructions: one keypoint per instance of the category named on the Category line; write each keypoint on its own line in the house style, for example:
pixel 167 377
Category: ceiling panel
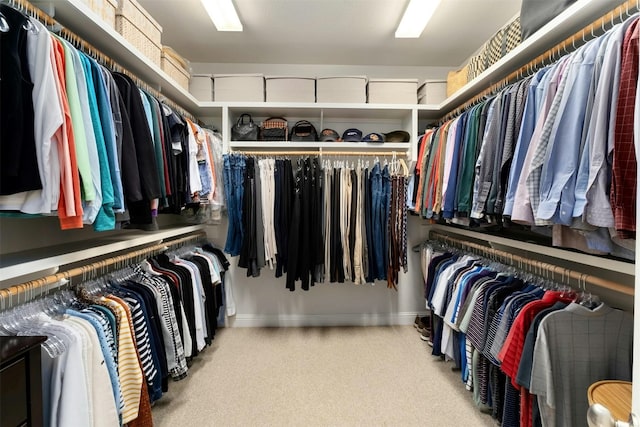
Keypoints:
pixel 347 32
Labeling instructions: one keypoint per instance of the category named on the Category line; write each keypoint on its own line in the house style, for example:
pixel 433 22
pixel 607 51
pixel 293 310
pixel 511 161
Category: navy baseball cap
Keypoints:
pixel 373 137
pixel 329 135
pixel 352 135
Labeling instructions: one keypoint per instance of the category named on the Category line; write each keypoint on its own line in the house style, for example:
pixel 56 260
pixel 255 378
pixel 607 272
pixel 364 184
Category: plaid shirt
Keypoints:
pixel 623 185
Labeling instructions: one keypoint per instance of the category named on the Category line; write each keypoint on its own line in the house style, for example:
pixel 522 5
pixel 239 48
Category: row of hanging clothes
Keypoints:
pixel 528 348
pixel 114 342
pixel 317 221
pixel 85 143
pixel 554 152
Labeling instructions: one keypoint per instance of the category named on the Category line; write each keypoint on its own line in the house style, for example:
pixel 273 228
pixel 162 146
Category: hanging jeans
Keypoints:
pixel 234 167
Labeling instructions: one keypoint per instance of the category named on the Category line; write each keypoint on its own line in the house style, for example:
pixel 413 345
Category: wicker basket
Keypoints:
pixel 105 9
pixel 140 29
pixel 175 66
pixel 457 79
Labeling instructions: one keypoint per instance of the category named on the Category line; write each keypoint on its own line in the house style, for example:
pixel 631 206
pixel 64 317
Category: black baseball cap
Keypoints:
pixel 373 137
pixel 352 135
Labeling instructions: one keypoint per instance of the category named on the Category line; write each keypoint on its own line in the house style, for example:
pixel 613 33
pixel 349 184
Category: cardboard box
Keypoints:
pixel 393 91
pixel 352 89
pixel 201 87
pixel 290 89
pixel 238 87
pixel 432 92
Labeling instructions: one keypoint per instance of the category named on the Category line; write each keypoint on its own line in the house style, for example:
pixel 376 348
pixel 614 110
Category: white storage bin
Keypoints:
pixel 201 87
pixel 342 89
pixel 238 87
pixel 290 89
pixel 393 91
pixel 432 92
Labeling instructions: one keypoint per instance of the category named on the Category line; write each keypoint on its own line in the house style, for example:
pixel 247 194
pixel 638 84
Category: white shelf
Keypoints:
pixel 365 146
pixel 503 243
pixel 18 267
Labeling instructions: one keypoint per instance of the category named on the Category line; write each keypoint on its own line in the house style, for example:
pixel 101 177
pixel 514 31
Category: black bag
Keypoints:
pixel 244 131
pixel 303 130
pixel 274 129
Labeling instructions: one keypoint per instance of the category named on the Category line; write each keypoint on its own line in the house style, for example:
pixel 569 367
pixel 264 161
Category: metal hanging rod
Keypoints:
pixel 323 153
pixel 568 45
pixel 81 44
pixel 46 284
pixel 534 266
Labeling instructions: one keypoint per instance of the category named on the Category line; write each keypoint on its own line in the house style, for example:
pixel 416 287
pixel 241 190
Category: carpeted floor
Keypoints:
pixel 360 376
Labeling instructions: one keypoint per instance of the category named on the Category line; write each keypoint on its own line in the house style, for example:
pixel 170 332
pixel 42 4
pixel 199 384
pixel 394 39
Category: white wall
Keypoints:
pixel 319 70
pixel 265 301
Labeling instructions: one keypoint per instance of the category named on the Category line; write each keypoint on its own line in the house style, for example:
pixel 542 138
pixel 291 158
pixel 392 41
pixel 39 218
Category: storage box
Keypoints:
pixel 105 9
pixel 201 87
pixel 238 87
pixel 342 89
pixel 290 89
pixel 175 66
pixel 393 91
pixel 140 29
pixel 432 92
pixel 457 79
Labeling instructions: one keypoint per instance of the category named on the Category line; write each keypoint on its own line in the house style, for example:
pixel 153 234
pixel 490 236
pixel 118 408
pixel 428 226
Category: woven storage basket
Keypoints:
pixel 105 9
pixel 140 29
pixel 457 79
pixel 175 66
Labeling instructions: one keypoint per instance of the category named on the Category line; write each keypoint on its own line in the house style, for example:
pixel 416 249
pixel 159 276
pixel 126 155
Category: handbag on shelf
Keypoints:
pixel 244 130
pixel 303 130
pixel 274 129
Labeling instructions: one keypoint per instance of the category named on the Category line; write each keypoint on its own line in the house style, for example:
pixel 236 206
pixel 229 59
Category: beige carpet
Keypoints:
pixel 319 377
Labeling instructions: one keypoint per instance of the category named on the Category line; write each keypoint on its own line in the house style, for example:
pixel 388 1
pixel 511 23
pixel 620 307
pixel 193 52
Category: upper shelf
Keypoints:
pixel 77 16
pixel 571 20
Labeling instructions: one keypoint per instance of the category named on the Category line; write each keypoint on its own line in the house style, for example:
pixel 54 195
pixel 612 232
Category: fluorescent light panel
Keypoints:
pixel 223 15
pixel 416 17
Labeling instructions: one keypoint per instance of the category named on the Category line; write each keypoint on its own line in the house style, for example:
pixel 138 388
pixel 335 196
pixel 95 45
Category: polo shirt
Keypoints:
pixel 576 347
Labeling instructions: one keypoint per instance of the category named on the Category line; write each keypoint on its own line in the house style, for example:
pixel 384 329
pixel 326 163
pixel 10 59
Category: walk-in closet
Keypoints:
pixel 319 212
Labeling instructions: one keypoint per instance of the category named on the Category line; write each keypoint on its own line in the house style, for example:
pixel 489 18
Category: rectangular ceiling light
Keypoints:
pixel 223 15
pixel 415 18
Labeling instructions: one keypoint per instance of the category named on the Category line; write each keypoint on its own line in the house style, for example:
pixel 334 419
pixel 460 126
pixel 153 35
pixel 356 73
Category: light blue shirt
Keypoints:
pixel 529 119
pixel 582 180
pixel 558 178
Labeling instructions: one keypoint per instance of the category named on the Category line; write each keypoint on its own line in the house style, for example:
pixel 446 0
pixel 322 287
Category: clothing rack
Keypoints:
pixel 80 44
pixel 534 266
pixel 566 46
pixel 322 153
pixel 46 284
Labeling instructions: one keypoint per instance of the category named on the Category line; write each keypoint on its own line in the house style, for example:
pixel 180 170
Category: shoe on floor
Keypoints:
pixel 425 335
pixel 424 324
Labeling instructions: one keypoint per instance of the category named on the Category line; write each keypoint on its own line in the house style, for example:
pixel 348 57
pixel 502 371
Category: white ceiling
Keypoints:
pixel 348 32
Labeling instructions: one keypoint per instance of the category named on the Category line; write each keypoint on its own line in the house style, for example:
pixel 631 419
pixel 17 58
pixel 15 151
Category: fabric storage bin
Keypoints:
pixel 351 89
pixel 105 9
pixel 238 87
pixel 175 66
pixel 393 91
pixel 432 92
pixel 201 87
pixel 457 79
pixel 140 29
pixel 290 89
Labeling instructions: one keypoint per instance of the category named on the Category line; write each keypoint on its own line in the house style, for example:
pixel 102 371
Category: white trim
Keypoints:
pixel 315 320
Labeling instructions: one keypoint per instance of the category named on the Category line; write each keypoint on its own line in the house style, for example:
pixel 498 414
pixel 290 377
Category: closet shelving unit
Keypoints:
pixel 79 18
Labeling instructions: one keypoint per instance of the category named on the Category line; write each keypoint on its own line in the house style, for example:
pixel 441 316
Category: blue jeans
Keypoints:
pixel 234 166
pixel 377 217
pixel 386 211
